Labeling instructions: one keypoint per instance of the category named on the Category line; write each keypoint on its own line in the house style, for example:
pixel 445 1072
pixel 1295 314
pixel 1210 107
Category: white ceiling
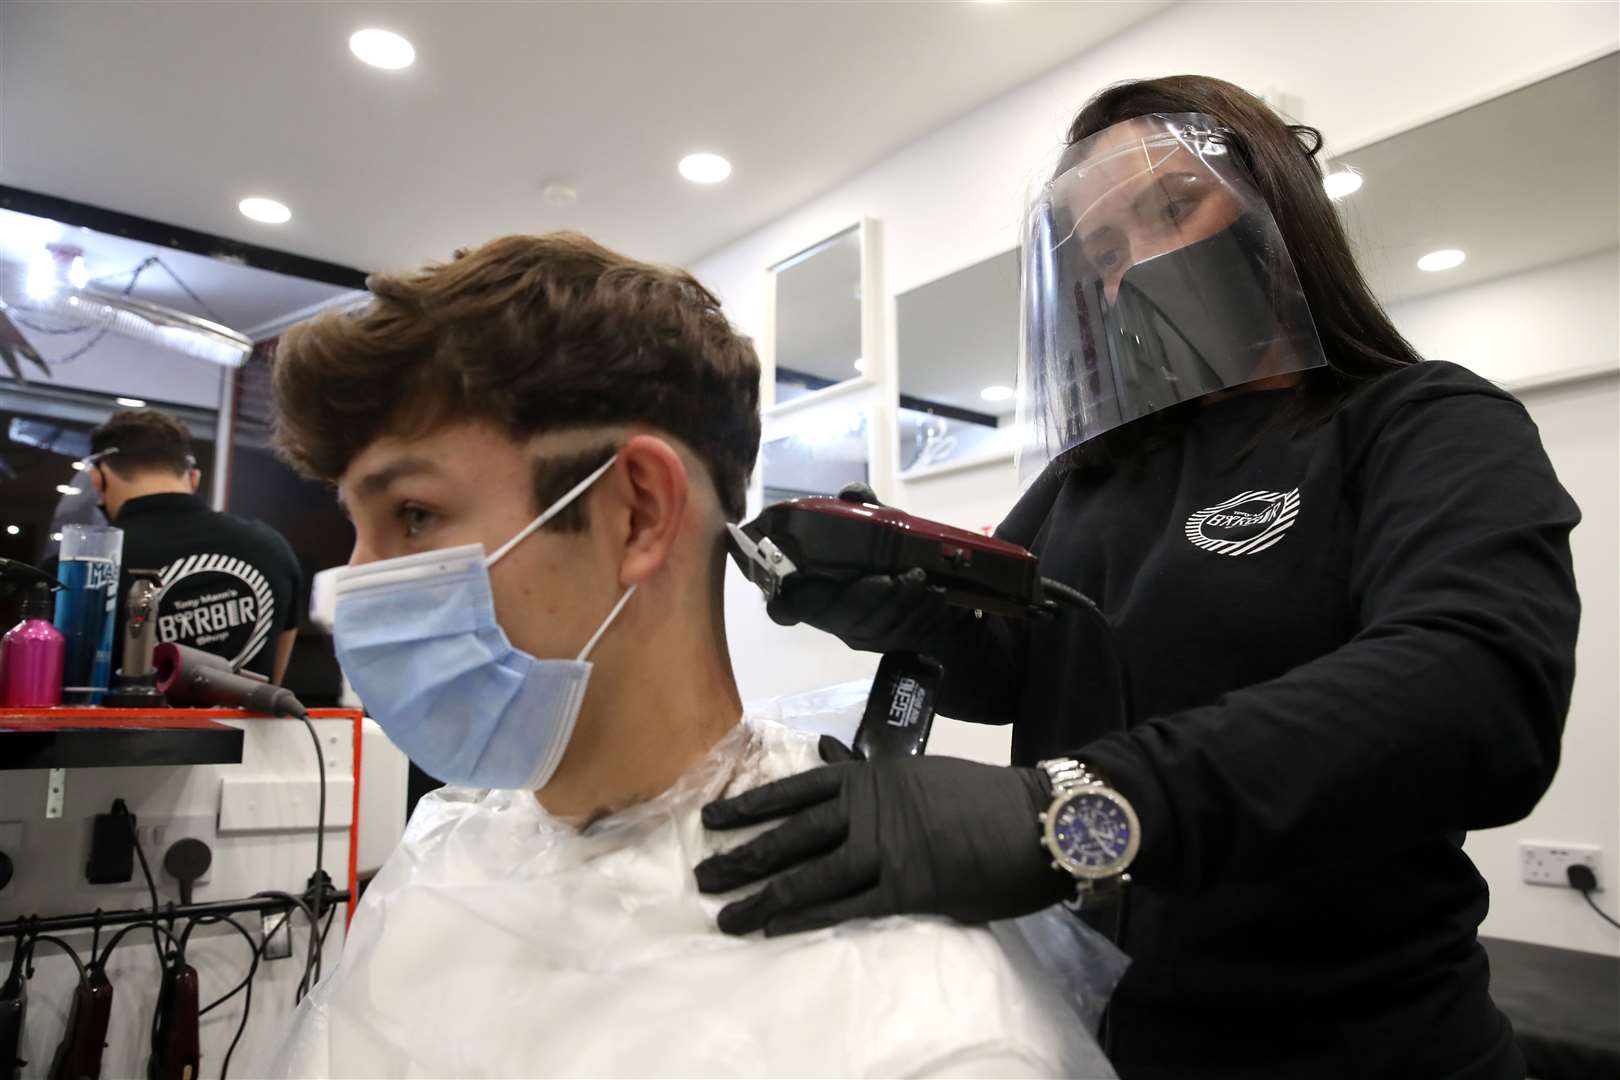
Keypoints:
pixel 175 111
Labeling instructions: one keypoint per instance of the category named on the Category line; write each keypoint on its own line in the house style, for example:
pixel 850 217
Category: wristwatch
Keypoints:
pixel 1090 829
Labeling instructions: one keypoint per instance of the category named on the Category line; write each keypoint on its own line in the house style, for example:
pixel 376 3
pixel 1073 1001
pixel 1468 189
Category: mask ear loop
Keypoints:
pixel 600 630
pixel 556 508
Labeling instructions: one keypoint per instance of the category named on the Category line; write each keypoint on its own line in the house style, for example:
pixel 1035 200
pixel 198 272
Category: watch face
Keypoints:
pixel 1093 832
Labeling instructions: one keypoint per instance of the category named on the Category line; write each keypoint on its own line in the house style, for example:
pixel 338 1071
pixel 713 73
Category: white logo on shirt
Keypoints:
pixel 226 607
pixel 1244 524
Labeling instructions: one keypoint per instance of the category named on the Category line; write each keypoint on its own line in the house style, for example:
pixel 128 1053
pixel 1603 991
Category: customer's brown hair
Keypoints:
pixel 135 441
pixel 537 334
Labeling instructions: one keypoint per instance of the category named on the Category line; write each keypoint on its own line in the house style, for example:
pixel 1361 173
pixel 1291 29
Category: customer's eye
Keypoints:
pixel 415 519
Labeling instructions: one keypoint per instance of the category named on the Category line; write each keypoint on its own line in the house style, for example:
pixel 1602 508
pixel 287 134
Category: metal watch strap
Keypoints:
pixel 1066 774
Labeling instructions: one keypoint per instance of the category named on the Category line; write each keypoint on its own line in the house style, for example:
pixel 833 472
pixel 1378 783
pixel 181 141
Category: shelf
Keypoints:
pixel 79 738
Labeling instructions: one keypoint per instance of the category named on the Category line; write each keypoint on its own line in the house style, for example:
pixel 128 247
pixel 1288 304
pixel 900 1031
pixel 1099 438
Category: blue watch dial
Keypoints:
pixel 1092 830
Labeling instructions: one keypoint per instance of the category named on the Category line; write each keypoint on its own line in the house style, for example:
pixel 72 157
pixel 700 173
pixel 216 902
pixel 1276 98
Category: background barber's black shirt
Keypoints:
pixel 1346 646
pixel 232 585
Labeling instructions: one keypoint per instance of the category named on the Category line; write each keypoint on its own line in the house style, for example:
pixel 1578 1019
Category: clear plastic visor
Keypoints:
pixel 1153 274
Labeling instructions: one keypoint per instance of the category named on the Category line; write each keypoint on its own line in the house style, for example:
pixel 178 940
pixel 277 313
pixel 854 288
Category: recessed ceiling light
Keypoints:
pixel 79 466
pixel 131 402
pixel 560 193
pixel 1341 183
pixel 382 48
pixel 997 393
pixel 13 530
pixel 860 364
pixel 705 168
pixel 1443 259
pixel 66 489
pixel 266 210
pixel 57 537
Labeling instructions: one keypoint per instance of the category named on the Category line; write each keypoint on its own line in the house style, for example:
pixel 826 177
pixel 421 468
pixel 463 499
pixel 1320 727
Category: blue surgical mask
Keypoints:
pixel 418 639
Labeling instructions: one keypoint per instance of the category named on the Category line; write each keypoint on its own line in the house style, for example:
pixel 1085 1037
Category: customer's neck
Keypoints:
pixel 660 697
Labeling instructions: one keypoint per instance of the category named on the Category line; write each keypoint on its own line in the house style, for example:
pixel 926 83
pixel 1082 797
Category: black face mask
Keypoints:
pixel 101 503
pixel 1187 323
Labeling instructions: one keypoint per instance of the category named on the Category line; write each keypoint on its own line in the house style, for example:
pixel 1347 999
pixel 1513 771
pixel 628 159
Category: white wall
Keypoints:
pixel 1524 328
pixel 1580 426
pixel 1520 330
pixel 1360 72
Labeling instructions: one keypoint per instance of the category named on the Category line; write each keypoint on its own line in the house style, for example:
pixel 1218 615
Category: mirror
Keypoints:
pixel 1524 187
pixel 818 458
pixel 958 362
pixel 818 339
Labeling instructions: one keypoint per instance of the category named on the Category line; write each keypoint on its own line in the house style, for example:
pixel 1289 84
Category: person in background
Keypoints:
pixel 232 587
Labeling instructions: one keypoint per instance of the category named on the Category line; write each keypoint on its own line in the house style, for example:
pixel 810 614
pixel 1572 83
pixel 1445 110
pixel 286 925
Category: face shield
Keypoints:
pixel 1153 273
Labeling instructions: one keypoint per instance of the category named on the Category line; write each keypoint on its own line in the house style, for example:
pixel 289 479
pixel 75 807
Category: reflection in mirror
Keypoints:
pixel 817 460
pixel 818 317
pixel 958 359
pixel 92 322
pixel 1521 182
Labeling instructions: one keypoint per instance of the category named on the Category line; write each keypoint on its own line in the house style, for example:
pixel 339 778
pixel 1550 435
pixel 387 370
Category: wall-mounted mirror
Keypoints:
pixel 1491 234
pixel 818 458
pixel 957 351
pixel 819 327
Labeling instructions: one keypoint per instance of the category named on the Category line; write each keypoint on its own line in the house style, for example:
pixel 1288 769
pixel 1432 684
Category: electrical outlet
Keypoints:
pixel 157 835
pixel 1547 864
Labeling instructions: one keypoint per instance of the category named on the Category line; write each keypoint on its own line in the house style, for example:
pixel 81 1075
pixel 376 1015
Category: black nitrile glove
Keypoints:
pixel 914 835
pixel 877 613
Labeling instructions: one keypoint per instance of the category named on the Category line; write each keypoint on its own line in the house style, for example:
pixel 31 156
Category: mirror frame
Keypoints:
pixel 872 342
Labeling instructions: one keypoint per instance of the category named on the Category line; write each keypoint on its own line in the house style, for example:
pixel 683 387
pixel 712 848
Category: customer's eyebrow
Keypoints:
pixel 375 483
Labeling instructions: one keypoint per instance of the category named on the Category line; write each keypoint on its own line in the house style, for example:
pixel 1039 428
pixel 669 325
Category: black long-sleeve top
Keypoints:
pixel 1346 646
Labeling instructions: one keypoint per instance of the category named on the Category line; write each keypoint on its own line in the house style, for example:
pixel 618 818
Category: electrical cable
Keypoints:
pixel 317 881
pixel 119 807
pixel 67 949
pixel 256 951
pixel 1604 915
pixel 1584 881
pixel 1116 662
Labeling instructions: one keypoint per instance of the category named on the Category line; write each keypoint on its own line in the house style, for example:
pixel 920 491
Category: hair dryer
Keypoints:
pixel 188 676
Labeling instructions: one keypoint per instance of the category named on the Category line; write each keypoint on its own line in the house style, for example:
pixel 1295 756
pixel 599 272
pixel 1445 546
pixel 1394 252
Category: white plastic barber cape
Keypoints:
pixel 501 941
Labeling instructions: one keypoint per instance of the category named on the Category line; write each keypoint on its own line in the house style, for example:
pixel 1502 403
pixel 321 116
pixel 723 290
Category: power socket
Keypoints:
pixel 1548 864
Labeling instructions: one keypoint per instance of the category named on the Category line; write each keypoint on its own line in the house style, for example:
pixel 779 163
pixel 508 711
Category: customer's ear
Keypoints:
pixel 653 481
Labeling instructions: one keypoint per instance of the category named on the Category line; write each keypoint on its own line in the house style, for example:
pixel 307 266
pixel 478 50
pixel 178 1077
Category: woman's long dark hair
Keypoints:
pixel 1357 336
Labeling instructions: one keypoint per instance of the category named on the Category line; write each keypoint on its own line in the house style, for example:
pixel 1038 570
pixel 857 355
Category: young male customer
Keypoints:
pixel 540 443
pixel 232 587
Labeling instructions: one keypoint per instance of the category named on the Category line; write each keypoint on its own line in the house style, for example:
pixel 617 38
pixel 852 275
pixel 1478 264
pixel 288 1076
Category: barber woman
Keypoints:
pixel 1335 578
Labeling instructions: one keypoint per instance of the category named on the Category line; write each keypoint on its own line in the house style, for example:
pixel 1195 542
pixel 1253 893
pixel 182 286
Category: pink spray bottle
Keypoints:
pixel 31 652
